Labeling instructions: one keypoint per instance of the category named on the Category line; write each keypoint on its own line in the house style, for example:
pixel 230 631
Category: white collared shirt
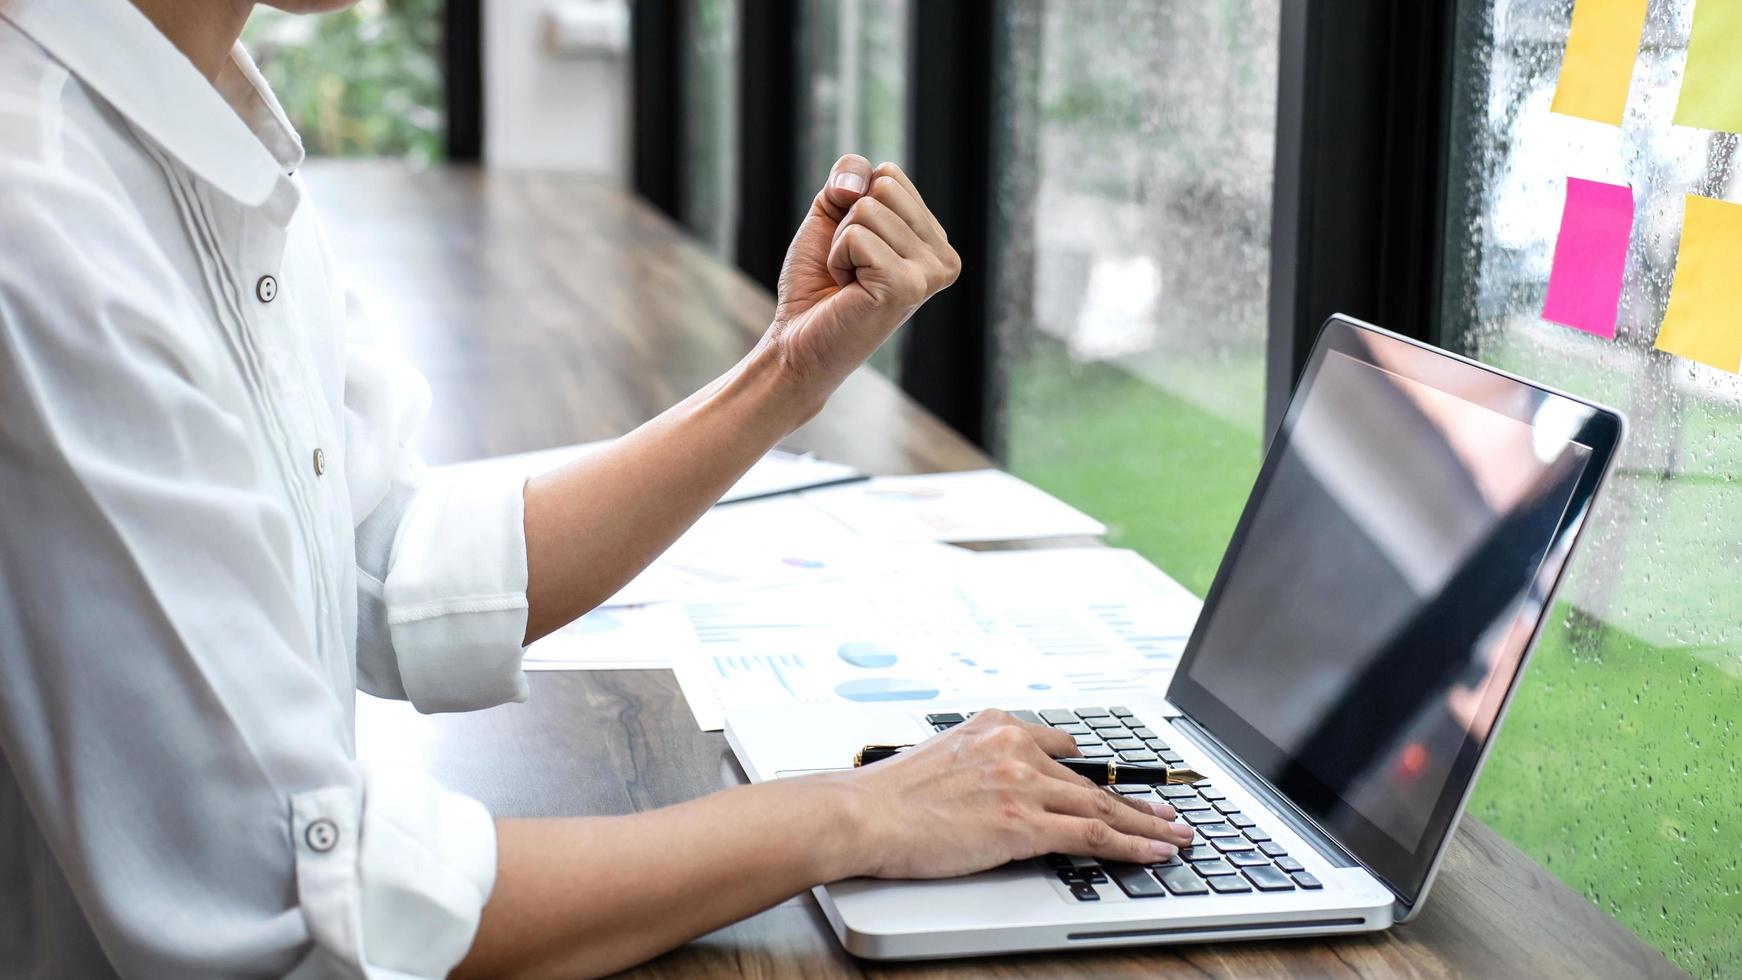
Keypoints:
pixel 213 535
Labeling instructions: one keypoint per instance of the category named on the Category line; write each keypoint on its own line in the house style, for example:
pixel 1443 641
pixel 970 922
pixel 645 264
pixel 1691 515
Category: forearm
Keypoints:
pixel 591 895
pixel 594 524
pixel 586 896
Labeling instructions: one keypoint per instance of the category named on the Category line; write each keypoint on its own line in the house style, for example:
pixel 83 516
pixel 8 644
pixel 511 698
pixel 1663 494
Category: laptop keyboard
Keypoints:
pixel 1229 853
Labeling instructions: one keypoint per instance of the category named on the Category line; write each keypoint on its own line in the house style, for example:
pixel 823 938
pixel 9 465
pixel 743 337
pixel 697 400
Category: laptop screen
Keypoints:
pixel 1392 565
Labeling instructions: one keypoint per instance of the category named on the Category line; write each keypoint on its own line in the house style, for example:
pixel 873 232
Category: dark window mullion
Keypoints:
pixel 463 79
pixel 657 30
pixel 768 135
pixel 1359 206
pixel 949 357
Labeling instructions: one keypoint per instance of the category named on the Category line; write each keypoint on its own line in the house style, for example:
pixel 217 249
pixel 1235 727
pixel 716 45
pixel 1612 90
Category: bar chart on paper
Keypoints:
pixel 1106 621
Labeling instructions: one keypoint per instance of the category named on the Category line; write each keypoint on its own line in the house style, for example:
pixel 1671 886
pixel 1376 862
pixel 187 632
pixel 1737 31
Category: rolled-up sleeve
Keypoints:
pixel 400 871
pixel 166 715
pixel 441 552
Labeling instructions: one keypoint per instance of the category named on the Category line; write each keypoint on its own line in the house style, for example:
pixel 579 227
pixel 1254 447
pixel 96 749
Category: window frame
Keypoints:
pixel 949 361
pixel 463 79
pixel 1371 80
pixel 1366 186
pixel 658 70
pixel 770 141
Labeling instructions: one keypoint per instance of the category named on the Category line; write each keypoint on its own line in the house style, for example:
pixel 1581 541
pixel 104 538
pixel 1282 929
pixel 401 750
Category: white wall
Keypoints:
pixel 543 111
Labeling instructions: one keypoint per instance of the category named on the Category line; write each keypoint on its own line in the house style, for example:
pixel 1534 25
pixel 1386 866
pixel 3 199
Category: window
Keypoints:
pixel 1617 768
pixel 1129 252
pixel 711 115
pixel 853 96
pixel 362 82
pixel 854 57
pixel 1134 263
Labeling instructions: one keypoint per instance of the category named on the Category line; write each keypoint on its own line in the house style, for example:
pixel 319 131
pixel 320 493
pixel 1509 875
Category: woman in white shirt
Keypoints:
pixel 214 534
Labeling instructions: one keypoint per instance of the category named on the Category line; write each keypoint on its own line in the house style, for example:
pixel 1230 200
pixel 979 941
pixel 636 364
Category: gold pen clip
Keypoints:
pixel 859 756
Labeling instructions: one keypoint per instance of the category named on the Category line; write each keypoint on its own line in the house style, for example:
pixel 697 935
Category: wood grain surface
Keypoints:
pixel 547 310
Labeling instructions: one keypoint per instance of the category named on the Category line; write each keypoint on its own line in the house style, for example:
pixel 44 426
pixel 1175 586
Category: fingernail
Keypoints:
pixel 1162 850
pixel 1163 810
pixel 847 180
pixel 1181 827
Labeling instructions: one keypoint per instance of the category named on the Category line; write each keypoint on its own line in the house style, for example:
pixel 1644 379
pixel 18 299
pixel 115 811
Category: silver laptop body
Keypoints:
pixel 1023 906
pixel 1363 799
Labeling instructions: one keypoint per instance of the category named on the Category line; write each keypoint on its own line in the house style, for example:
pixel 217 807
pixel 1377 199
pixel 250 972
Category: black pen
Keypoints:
pixel 1103 772
pixel 800 488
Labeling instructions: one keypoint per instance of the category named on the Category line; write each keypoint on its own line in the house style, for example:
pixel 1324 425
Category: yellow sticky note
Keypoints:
pixel 1712 89
pixel 1602 44
pixel 1704 321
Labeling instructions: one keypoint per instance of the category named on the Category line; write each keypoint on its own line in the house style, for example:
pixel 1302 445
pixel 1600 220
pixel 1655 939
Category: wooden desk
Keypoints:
pixel 549 310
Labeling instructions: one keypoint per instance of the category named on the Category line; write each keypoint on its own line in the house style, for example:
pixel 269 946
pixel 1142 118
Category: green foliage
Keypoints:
pixel 365 81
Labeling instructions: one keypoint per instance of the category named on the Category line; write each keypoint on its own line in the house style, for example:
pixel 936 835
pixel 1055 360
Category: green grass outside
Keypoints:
pixel 1167 478
pixel 1617 768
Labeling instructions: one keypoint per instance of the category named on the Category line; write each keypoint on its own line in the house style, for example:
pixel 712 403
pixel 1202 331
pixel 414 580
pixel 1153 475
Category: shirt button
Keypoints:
pixel 322 835
pixel 266 289
pixel 320 462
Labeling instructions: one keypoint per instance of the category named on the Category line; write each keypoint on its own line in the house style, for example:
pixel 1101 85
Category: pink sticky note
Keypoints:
pixel 1584 288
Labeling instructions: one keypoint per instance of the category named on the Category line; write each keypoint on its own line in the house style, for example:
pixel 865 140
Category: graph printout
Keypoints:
pixel 1021 628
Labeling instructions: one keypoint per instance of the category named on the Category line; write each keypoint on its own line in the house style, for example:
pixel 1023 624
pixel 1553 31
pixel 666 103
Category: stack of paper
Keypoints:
pixel 616 638
pixel 853 592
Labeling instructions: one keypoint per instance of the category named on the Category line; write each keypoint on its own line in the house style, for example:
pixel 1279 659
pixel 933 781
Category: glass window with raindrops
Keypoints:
pixel 1135 159
pixel 710 119
pixel 1618 767
pixel 852 98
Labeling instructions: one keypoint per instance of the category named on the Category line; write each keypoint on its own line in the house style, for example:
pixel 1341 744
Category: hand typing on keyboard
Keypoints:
pixel 988 792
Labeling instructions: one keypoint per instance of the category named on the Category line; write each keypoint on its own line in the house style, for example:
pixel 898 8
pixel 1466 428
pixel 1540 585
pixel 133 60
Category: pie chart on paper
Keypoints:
pixel 870 655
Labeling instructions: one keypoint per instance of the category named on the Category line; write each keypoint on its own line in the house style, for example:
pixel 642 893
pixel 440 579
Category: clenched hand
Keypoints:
pixel 868 253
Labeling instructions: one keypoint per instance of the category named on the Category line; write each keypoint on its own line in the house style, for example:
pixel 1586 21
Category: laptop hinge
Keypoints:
pixel 1258 786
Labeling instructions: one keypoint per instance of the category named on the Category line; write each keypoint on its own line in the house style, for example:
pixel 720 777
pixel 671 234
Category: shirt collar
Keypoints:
pixel 233 134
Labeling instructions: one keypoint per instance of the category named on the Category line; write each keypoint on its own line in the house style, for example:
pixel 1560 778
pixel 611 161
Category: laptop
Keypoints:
pixel 1354 657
